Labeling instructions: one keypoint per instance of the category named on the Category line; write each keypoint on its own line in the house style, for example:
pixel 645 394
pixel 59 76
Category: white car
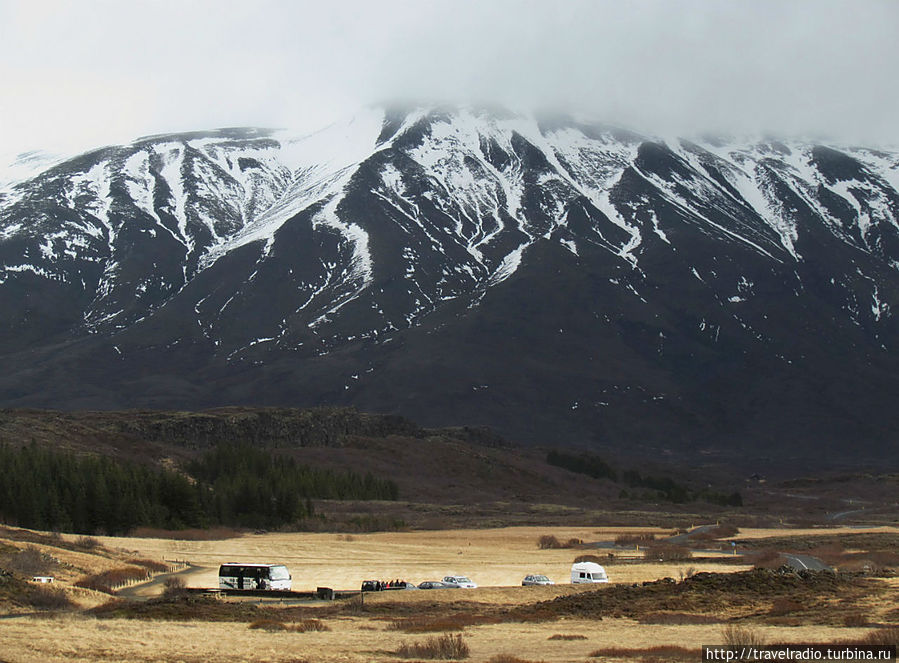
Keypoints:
pixel 459 581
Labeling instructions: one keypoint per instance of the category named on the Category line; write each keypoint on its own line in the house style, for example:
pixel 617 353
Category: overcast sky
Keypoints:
pixel 79 74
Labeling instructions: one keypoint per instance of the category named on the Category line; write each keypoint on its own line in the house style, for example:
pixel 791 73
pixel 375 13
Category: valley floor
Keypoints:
pixel 626 620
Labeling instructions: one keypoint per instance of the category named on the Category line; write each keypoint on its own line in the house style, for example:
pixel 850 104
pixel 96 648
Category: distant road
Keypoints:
pixel 797 562
pixel 679 539
pixel 843 514
pixel 682 539
pixel 155 586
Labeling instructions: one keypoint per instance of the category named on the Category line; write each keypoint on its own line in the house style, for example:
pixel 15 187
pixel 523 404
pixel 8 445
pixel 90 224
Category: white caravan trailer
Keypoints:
pixel 588 572
pixel 254 576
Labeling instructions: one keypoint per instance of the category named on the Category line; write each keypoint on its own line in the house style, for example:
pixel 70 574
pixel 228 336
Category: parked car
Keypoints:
pixel 536 580
pixel 459 581
pixel 435 584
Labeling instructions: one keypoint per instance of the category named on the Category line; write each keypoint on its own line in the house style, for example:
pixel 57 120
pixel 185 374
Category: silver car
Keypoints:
pixel 459 581
pixel 536 580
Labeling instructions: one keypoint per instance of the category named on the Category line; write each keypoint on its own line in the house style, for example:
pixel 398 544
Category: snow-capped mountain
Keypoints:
pixel 566 282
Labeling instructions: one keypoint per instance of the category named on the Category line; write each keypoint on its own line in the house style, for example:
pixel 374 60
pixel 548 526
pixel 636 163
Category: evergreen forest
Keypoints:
pixel 230 485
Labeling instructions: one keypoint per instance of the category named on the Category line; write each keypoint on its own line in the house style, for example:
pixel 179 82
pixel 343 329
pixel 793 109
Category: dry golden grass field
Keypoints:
pixel 499 618
pixel 490 557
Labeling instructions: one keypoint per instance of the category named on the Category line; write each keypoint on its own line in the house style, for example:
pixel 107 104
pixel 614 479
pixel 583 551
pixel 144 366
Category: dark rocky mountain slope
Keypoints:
pixel 562 282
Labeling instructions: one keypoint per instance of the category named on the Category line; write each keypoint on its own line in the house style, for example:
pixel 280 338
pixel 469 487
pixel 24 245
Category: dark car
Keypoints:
pixel 435 584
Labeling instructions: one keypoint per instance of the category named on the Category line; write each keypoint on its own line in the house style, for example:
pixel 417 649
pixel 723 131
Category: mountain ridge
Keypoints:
pixel 541 276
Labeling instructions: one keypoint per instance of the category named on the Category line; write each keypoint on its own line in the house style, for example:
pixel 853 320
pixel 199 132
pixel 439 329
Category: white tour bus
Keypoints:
pixel 254 576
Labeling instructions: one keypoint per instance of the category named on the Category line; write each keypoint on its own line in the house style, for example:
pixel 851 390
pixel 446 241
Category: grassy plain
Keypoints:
pixel 496 559
pixel 491 557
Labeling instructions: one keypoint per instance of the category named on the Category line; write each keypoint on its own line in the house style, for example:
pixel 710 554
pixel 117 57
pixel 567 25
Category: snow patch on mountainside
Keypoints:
pixel 595 168
pixel 323 164
pixel 670 191
pixel 96 185
pixel 478 195
pixel 172 155
pixel 358 274
pixel 141 187
pixel 24 167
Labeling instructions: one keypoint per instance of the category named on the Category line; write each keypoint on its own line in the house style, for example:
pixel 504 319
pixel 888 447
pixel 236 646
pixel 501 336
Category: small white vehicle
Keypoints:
pixel 459 581
pixel 588 572
pixel 254 577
